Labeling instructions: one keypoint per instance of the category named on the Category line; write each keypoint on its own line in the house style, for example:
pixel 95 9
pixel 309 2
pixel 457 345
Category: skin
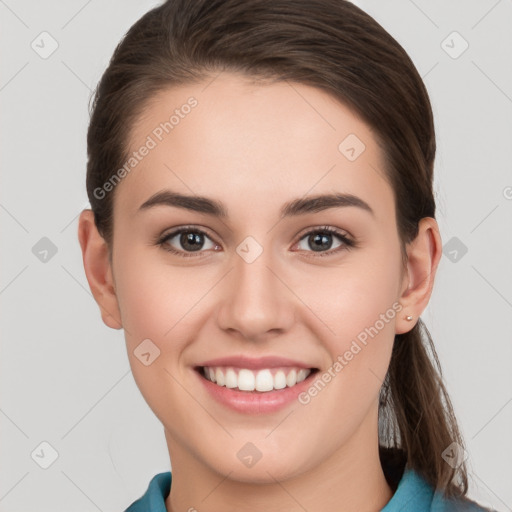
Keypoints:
pixel 255 147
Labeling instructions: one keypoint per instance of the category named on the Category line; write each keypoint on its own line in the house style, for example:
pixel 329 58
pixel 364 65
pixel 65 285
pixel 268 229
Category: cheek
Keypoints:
pixel 155 299
pixel 353 296
pixel 368 303
pixel 358 306
pixel 157 311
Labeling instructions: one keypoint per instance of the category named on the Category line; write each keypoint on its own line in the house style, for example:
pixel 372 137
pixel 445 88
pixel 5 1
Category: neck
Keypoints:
pixel 351 479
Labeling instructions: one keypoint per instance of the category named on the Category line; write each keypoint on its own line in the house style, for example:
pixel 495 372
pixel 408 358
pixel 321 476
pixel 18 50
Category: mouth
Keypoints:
pixel 263 380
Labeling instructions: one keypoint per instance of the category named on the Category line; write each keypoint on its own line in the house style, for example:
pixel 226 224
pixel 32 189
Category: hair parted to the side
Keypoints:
pixel 334 46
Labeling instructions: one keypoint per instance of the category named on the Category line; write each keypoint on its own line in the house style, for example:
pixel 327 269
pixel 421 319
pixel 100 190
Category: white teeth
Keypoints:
pixel 231 379
pixel 301 375
pixel 246 380
pixel 219 377
pixel 264 381
pixel 261 380
pixel 280 380
pixel 291 379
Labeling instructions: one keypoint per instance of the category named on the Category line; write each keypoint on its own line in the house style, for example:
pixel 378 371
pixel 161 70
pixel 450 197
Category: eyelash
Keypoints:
pixel 347 243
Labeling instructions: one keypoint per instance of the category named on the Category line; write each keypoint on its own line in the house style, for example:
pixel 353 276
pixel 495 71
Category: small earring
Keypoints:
pixel 409 318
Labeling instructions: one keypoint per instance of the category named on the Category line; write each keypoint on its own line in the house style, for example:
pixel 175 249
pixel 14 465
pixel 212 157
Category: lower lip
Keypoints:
pixel 255 402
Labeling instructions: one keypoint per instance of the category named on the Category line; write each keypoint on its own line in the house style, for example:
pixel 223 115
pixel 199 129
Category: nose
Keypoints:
pixel 255 300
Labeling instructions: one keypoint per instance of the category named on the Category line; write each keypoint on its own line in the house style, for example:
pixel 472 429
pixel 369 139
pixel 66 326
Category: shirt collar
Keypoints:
pixel 412 491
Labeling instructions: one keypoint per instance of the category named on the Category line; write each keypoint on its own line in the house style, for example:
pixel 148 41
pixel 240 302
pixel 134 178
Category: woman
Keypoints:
pixel 263 229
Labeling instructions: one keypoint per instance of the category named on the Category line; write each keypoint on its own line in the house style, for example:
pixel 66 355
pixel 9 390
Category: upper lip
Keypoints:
pixel 255 363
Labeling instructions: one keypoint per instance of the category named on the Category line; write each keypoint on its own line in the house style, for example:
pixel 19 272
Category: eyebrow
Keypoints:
pixel 301 206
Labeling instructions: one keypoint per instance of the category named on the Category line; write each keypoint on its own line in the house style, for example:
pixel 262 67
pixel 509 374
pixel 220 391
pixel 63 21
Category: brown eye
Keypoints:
pixel 186 241
pixel 321 241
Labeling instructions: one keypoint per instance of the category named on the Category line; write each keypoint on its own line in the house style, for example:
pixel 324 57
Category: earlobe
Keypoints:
pixel 98 269
pixel 423 255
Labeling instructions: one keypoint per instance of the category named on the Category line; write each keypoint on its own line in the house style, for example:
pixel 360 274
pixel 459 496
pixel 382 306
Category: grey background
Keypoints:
pixel 65 377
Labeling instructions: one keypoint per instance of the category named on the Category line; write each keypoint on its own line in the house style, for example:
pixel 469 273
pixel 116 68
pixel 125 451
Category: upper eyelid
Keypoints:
pixel 176 231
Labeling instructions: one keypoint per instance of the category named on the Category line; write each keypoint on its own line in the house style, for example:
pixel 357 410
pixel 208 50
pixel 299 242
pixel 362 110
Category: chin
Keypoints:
pixel 266 470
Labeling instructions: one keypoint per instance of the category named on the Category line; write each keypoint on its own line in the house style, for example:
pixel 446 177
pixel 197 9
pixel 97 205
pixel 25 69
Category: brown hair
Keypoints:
pixel 334 46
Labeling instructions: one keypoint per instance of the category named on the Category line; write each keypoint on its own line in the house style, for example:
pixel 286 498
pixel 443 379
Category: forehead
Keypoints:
pixel 247 143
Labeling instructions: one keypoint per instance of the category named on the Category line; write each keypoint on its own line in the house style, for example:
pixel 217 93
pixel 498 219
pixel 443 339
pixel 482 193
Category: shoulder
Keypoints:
pixel 415 493
pixel 153 500
pixel 410 487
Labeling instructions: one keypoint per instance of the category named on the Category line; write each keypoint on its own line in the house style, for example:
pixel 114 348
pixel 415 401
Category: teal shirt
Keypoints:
pixel 413 494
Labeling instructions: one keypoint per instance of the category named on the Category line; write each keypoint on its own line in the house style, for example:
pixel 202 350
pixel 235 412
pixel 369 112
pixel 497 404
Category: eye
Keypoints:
pixel 321 241
pixel 190 239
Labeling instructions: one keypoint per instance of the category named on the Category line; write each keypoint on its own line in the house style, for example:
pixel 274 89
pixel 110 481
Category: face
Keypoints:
pixel 279 284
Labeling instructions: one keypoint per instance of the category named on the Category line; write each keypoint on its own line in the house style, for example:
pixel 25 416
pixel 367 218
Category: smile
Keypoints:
pixel 263 380
pixel 255 385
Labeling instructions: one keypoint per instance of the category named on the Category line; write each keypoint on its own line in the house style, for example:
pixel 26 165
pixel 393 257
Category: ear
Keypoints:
pixel 95 255
pixel 423 255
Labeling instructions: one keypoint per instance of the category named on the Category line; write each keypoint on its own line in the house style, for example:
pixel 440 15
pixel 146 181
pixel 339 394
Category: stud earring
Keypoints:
pixel 409 318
